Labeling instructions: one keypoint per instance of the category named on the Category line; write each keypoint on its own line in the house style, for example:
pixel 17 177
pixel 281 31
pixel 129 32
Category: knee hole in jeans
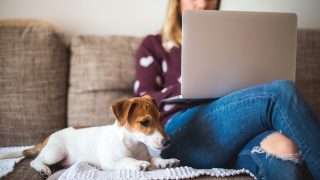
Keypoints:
pixel 280 146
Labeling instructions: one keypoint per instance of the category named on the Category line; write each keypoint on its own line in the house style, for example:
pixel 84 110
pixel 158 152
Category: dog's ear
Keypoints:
pixel 147 96
pixel 122 110
pixel 150 98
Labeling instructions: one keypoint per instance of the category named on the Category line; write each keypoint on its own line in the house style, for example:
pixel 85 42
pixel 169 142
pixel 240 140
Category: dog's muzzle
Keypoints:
pixel 166 143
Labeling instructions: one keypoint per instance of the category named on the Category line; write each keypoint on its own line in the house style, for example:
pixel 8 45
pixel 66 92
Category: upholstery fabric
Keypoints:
pixel 101 72
pixel 33 82
pixel 22 170
pixel 308 67
pixel 92 108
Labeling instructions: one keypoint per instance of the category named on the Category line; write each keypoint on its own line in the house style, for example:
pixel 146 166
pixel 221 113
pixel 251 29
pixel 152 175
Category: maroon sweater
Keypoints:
pixel 158 74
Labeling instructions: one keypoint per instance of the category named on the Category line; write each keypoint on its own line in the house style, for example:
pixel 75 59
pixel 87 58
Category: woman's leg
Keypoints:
pixel 278 162
pixel 210 135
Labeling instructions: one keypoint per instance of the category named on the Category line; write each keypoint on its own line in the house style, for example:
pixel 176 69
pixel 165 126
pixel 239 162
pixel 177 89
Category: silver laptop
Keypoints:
pixel 225 51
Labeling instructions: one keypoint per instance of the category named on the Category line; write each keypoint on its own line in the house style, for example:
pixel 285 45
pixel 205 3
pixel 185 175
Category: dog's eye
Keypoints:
pixel 145 123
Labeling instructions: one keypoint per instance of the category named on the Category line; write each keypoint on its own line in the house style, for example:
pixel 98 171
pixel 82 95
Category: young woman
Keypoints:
pixel 268 129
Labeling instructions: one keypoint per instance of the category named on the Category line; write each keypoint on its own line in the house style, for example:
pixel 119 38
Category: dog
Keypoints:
pixel 122 145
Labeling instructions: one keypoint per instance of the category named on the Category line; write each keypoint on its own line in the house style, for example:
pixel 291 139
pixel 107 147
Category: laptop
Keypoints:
pixel 225 51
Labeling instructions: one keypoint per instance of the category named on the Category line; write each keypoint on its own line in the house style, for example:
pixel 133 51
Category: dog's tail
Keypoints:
pixel 28 153
pixel 11 155
pixel 23 153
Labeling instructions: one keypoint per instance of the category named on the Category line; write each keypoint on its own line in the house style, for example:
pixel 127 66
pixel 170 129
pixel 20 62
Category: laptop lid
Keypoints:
pixel 224 51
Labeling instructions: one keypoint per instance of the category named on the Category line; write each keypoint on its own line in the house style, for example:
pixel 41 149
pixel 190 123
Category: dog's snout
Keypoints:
pixel 166 142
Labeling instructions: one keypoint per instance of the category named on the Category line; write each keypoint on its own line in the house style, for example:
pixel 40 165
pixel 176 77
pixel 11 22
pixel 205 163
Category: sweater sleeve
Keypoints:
pixel 148 64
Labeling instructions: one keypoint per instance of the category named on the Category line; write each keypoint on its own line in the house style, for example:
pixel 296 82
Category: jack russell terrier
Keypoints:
pixel 122 145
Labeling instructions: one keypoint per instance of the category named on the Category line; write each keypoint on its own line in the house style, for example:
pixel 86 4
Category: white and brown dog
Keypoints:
pixel 122 145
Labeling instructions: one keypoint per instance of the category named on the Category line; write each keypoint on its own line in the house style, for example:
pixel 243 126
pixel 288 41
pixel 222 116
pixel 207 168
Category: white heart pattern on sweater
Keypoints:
pixel 164 66
pixel 168 107
pixel 164 90
pixel 136 86
pixel 146 61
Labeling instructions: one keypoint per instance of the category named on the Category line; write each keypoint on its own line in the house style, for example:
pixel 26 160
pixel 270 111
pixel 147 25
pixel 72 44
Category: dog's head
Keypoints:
pixel 141 117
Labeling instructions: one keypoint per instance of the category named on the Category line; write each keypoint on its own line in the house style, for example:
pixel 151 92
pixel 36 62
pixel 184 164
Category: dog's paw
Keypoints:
pixel 45 172
pixel 166 163
pixel 142 166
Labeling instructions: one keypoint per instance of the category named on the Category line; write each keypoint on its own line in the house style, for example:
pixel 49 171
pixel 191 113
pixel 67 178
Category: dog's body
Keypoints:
pixel 122 145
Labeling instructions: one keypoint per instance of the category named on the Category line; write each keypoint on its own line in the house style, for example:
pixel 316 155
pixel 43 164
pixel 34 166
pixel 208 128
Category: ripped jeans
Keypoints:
pixel 227 132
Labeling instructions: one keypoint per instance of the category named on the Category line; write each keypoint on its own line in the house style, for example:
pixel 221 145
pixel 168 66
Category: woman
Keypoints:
pixel 267 129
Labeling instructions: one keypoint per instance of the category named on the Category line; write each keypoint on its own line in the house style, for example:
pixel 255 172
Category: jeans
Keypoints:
pixel 227 132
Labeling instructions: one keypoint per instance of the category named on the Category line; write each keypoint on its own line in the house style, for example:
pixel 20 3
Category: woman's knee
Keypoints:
pixel 268 154
pixel 280 146
pixel 284 86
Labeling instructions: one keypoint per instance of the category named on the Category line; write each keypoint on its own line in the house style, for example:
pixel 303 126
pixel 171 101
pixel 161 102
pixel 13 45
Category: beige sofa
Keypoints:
pixel 47 84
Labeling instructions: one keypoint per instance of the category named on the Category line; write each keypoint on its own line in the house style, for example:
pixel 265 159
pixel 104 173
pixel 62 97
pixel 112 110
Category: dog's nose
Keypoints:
pixel 166 142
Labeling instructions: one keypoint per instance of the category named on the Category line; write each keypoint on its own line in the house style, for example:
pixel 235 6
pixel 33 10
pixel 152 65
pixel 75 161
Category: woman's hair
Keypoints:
pixel 172 30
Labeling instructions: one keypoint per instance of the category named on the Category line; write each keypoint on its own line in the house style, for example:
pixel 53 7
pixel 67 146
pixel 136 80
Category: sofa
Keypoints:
pixel 49 82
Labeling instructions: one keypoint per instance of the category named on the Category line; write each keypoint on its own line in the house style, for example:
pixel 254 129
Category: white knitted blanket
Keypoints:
pixel 84 171
pixel 7 165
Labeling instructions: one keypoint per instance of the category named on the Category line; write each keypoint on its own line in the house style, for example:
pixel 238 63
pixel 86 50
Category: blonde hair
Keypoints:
pixel 171 31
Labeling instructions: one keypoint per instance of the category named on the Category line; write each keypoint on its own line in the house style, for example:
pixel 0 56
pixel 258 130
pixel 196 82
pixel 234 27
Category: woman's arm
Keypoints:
pixel 149 73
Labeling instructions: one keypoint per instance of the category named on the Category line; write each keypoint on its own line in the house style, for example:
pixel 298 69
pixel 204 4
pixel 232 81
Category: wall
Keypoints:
pixel 308 11
pixel 128 17
pixel 136 17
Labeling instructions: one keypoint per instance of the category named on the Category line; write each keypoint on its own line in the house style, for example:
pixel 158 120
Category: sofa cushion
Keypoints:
pixel 101 72
pixel 308 67
pixel 92 108
pixel 33 82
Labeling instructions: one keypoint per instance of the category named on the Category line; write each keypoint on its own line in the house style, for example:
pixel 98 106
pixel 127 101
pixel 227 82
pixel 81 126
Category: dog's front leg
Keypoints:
pixel 129 163
pixel 157 162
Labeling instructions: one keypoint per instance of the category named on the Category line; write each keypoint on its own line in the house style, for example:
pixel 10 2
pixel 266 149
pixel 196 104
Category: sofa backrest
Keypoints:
pixel 101 72
pixel 33 82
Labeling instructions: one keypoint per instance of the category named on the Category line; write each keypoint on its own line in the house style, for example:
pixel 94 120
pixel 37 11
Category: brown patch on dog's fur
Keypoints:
pixel 36 149
pixel 131 112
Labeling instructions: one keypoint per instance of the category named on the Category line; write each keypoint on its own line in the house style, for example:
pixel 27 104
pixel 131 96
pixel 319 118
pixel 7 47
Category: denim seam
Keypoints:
pixel 247 99
pixel 277 105
pixel 241 101
pixel 287 127
pixel 257 162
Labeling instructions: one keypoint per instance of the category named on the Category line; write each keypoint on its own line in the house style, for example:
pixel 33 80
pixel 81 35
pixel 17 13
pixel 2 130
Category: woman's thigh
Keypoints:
pixel 210 136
